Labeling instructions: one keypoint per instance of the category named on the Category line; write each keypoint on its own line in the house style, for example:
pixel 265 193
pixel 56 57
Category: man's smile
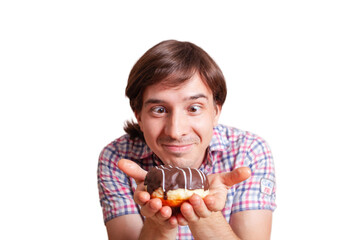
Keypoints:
pixel 178 148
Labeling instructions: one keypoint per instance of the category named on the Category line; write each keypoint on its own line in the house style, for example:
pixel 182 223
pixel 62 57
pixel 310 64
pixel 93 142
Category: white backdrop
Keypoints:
pixel 292 69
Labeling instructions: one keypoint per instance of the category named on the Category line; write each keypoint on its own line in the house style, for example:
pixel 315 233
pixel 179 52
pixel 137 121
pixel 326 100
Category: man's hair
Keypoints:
pixel 172 63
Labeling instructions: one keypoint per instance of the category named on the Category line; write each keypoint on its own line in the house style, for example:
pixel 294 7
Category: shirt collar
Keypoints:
pixel 219 141
pixel 146 151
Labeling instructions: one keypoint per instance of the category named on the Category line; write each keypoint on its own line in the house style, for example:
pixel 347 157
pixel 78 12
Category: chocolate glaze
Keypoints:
pixel 172 178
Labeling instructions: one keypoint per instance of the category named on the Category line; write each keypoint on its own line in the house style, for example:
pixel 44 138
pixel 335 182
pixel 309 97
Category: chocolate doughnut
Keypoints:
pixel 174 185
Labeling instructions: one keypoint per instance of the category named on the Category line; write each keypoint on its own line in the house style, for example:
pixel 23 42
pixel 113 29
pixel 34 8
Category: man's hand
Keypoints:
pixel 152 209
pixel 220 183
pixel 198 208
pixel 192 210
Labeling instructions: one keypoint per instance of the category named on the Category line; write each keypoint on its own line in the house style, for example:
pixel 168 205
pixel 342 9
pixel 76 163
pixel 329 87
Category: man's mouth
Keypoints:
pixel 178 148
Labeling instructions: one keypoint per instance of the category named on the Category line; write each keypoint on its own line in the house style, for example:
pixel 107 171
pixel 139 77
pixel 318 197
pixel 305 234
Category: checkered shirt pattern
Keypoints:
pixel 230 148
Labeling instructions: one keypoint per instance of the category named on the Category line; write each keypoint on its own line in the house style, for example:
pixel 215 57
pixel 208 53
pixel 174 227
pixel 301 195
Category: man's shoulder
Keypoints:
pixel 230 137
pixel 126 147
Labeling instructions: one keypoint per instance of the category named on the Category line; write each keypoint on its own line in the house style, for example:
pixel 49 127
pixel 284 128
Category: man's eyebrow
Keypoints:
pixel 153 101
pixel 197 96
pixel 159 101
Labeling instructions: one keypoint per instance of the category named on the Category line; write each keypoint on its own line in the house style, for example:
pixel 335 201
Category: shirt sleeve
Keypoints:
pixel 115 188
pixel 259 191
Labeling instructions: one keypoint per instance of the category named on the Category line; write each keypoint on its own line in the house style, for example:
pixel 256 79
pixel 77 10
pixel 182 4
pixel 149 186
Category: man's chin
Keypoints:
pixel 181 161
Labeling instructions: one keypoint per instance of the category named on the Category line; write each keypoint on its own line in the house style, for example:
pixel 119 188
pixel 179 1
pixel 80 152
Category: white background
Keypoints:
pixel 292 69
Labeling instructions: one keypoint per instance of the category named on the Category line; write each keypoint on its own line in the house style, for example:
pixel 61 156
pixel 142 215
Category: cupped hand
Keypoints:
pixel 150 208
pixel 197 207
pixel 220 183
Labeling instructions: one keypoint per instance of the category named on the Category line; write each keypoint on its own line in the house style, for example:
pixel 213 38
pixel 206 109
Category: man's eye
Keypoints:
pixel 194 109
pixel 158 110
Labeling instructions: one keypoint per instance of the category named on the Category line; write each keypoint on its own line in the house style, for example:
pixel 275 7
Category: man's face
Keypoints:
pixel 178 122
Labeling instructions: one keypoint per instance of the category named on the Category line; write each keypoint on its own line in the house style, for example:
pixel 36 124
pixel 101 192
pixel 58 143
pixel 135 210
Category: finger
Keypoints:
pixel 132 169
pixel 173 222
pixel 164 213
pixel 236 176
pixel 213 203
pixel 141 197
pixel 181 220
pixel 188 212
pixel 151 207
pixel 199 206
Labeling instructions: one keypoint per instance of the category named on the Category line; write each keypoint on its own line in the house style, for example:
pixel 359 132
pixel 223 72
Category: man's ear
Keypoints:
pixel 138 118
pixel 217 114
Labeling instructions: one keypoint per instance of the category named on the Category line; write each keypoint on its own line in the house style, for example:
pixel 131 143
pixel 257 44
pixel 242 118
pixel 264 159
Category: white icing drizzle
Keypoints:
pixel 190 175
pixel 201 177
pixel 184 177
pixel 162 168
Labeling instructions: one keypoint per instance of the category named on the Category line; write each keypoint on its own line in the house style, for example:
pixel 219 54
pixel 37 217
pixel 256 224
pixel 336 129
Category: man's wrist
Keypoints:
pixel 213 227
pixel 153 230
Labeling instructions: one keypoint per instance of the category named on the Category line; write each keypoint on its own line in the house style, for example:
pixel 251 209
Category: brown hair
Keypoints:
pixel 172 63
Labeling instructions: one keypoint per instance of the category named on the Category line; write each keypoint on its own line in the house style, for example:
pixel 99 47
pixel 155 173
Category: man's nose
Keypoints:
pixel 177 125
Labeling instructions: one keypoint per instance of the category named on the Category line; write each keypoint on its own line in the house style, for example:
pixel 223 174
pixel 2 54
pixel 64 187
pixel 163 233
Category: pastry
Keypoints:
pixel 174 185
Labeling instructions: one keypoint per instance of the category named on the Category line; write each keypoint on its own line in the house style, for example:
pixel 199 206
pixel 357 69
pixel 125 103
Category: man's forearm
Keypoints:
pixel 152 230
pixel 213 227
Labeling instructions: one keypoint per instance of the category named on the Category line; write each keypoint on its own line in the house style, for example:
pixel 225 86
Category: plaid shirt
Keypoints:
pixel 230 148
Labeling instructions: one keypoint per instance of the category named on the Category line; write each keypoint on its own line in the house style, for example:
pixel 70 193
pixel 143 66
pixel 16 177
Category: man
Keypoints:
pixel 176 92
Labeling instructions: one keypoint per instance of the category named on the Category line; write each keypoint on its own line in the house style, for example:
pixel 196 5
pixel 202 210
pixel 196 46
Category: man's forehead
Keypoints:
pixel 194 87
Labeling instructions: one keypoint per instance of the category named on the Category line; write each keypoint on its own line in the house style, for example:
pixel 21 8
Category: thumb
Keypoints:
pixel 132 169
pixel 236 176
